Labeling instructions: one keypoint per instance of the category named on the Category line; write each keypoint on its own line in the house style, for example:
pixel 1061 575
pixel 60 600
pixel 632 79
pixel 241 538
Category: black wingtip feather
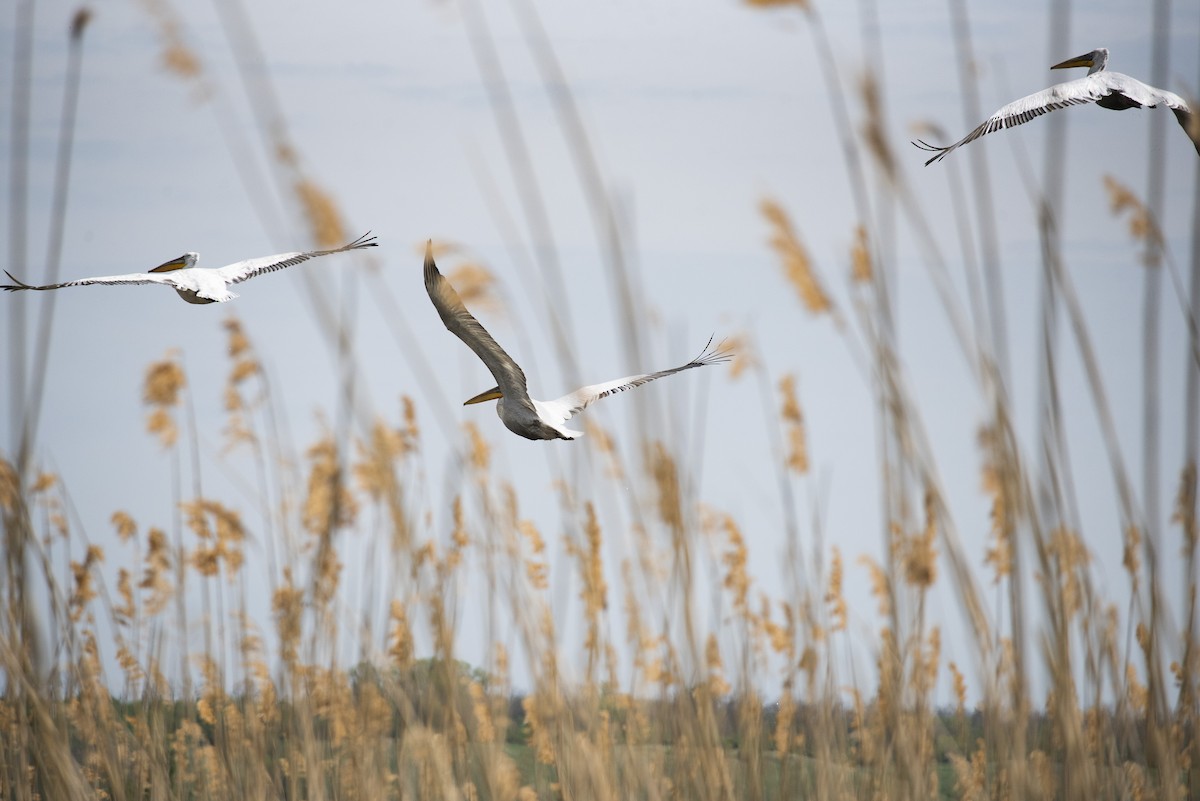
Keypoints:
pixel 364 241
pixel 941 152
pixel 710 355
pixel 16 285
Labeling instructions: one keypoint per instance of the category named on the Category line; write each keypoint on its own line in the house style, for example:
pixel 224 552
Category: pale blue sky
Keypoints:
pixel 696 111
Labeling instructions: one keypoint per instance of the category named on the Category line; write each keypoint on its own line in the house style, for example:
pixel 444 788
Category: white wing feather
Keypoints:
pixel 580 399
pixel 130 278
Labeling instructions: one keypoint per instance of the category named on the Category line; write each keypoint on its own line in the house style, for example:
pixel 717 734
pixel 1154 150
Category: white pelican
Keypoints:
pixel 532 419
pixel 1111 90
pixel 202 284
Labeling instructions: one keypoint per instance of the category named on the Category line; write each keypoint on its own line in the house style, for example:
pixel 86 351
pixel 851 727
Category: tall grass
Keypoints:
pixel 163 679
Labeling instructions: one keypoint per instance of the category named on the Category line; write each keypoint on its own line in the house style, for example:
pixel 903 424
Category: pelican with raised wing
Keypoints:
pixel 1111 90
pixel 521 414
pixel 202 284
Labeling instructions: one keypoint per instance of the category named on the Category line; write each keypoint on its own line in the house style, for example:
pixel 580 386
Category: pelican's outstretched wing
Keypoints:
pixel 580 399
pixel 1071 93
pixel 460 322
pixel 245 270
pixel 132 278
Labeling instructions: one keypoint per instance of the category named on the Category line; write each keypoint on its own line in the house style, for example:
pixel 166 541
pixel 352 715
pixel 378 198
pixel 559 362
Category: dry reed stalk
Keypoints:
pixel 533 204
pixel 797 266
pixel 58 216
pixel 177 56
pixel 861 269
pixel 164 383
pixel 594 589
pixel 793 421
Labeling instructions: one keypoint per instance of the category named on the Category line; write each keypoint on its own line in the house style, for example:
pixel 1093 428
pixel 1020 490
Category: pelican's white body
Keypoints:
pixel 200 285
pixel 548 424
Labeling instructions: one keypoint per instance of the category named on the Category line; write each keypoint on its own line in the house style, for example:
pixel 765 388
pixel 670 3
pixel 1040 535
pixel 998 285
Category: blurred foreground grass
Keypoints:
pixel 167 682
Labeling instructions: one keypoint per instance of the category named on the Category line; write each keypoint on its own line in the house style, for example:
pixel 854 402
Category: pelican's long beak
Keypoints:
pixel 1085 60
pixel 173 264
pixel 491 394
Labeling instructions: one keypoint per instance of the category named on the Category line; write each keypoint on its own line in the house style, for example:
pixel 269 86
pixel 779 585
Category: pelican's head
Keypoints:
pixel 182 263
pixel 492 394
pixel 1094 61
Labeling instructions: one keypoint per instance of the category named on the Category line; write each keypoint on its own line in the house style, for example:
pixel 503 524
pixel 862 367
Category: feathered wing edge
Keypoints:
pixel 1021 111
pixel 245 270
pixel 583 397
pixel 109 280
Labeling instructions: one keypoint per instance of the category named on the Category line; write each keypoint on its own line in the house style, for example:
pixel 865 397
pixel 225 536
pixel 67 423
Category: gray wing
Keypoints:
pixel 130 278
pixel 460 322
pixel 1187 118
pixel 1072 93
pixel 245 270
pixel 580 399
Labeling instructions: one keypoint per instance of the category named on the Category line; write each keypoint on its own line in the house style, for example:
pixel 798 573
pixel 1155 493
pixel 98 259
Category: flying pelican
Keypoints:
pixel 1111 90
pixel 532 419
pixel 202 284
